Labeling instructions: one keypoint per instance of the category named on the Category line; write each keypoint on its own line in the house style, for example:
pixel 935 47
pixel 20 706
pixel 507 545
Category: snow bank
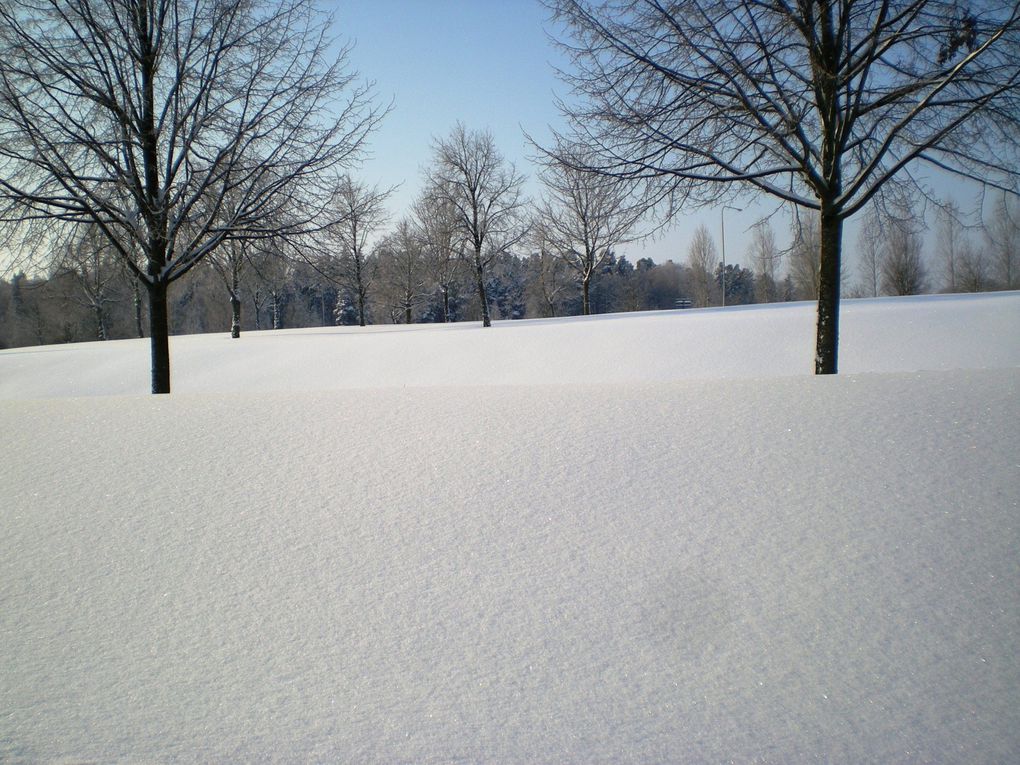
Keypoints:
pixel 769 568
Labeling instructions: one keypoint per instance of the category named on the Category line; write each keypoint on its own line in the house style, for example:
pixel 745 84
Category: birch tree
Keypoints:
pixel 819 103
pixel 172 126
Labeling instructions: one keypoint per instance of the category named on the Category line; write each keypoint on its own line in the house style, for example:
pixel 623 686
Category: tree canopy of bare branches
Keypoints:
pixel 818 103
pixel 172 126
pixel 903 270
pixel 765 255
pixel 484 190
pixel 435 219
pixel 703 259
pixel 360 211
pixel 583 216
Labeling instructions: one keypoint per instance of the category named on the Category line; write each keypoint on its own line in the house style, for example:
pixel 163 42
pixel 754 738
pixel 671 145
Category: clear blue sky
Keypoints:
pixel 490 64
pixel 483 62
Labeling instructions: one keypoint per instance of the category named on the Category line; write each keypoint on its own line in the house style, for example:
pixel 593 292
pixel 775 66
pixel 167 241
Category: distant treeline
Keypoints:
pixel 95 298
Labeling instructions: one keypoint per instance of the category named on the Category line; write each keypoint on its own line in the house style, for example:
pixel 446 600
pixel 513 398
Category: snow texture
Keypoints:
pixel 648 538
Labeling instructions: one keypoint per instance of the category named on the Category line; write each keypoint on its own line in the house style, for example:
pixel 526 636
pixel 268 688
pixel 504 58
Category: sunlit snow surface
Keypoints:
pixel 640 538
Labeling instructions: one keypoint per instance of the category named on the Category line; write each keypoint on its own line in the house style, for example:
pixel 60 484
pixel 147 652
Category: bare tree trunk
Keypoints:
pixel 100 321
pixel 159 337
pixel 585 293
pixel 831 234
pixel 235 300
pixel 137 299
pixel 275 305
pixel 235 317
pixel 359 283
pixel 482 297
pixel 446 303
pixel 256 300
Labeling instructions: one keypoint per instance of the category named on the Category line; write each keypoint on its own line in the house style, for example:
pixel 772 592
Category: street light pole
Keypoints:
pixel 722 236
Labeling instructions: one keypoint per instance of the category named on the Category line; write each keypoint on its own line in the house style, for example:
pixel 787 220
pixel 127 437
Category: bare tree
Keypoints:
pixel 436 221
pixel 1003 235
pixel 703 259
pixel 228 262
pixel 819 103
pixel 902 267
pixel 952 242
pixel 584 215
pixel 972 269
pixel 86 254
pixel 484 190
pixel 869 251
pixel 549 282
pixel 402 272
pixel 272 269
pixel 765 256
pixel 172 125
pixel 360 210
pixel 804 263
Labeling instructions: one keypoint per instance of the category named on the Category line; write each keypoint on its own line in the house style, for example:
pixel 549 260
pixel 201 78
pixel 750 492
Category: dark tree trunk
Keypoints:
pixel 159 337
pixel 825 64
pixel 235 300
pixel 235 317
pixel 407 314
pixel 482 297
pixel 359 282
pixel 585 292
pixel 446 304
pixel 827 348
pixel 137 298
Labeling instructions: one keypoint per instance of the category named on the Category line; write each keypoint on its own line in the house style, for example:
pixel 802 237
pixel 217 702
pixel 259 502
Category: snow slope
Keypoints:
pixel 537 556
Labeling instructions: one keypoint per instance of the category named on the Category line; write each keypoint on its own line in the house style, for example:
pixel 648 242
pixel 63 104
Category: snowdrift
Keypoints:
pixel 650 538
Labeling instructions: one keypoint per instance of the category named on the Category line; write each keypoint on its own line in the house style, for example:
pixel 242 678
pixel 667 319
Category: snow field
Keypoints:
pixel 777 340
pixel 769 568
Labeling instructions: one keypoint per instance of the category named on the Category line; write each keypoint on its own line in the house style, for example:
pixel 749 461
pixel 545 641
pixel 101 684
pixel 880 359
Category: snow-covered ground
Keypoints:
pixel 636 538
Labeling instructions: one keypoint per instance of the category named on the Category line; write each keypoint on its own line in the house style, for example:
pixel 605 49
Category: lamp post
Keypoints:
pixel 722 236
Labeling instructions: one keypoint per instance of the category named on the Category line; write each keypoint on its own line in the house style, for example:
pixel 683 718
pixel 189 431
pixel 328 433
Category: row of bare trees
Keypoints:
pixel 418 273
pixel 471 212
